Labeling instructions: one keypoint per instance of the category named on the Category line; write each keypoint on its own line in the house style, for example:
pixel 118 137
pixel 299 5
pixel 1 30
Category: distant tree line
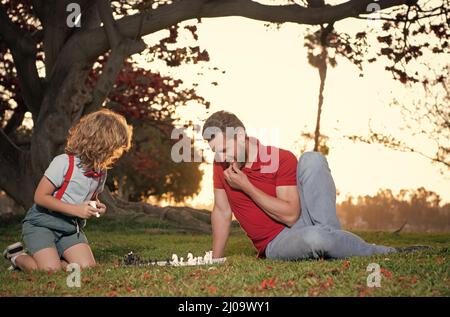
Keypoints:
pixel 409 210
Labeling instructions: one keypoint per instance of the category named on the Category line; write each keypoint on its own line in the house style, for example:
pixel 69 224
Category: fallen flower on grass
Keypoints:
pixel 328 283
pixel 212 289
pixel 268 283
pixel 345 265
pixel 386 273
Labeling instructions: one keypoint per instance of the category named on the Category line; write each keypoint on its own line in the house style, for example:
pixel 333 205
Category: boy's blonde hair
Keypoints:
pixel 99 139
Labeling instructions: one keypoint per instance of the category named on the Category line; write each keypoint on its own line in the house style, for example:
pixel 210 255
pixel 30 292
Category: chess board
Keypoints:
pixel 132 259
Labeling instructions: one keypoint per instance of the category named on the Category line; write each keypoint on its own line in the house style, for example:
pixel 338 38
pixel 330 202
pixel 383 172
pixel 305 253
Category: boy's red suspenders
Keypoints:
pixel 64 185
pixel 67 178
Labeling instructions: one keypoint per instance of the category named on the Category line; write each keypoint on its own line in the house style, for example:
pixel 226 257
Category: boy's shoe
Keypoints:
pixel 12 252
pixel 413 248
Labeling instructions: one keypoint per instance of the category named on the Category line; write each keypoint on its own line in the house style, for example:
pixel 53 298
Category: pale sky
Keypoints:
pixel 268 84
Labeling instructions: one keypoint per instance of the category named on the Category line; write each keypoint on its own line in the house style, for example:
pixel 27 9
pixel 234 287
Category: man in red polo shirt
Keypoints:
pixel 287 208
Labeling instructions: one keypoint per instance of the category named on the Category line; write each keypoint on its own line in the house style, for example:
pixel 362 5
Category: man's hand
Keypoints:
pixel 236 178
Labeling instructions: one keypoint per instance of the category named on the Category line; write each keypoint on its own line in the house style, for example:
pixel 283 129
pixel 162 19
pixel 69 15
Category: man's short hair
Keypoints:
pixel 221 120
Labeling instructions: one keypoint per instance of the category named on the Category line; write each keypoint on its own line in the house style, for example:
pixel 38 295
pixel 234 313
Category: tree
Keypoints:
pixel 413 209
pixel 46 63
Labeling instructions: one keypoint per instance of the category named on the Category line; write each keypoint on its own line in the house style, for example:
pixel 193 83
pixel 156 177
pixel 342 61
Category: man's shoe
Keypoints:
pixel 413 248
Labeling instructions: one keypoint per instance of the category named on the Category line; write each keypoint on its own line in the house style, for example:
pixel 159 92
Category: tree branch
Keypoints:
pixel 121 48
pixel 94 42
pixel 16 119
pixel 110 71
pixel 105 12
pixel 23 50
pixel 39 9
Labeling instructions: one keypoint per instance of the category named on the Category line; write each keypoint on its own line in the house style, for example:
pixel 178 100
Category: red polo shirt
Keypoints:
pixel 259 226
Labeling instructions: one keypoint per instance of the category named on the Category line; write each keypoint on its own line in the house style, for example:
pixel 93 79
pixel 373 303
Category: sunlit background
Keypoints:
pixel 263 76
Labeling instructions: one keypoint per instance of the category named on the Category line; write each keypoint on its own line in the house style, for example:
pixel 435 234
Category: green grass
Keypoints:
pixel 415 274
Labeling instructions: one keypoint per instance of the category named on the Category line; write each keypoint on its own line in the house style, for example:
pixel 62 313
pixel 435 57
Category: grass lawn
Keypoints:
pixel 415 274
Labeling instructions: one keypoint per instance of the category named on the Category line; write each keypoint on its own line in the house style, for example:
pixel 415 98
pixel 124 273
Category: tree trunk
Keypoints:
pixel 180 217
pixel 322 68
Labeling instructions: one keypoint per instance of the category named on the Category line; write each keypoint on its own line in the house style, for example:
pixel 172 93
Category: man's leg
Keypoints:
pixel 317 233
pixel 313 242
pixel 317 191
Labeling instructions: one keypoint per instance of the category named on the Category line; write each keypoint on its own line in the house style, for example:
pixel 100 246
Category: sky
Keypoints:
pixel 270 86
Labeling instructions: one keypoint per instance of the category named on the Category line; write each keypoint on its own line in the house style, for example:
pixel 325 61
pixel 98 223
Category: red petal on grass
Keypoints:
pixel 386 273
pixel 413 280
pixel 272 283
pixel 345 265
pixel 212 289
pixel 111 294
pixel 313 292
pixel 264 284
pixel 268 283
pixel 364 292
pixel 328 283
pixel 146 276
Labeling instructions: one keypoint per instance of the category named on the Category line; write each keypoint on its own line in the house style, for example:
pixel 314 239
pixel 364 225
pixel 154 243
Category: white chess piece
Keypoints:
pixel 207 259
pixel 93 204
pixel 191 260
pixel 218 260
pixel 174 261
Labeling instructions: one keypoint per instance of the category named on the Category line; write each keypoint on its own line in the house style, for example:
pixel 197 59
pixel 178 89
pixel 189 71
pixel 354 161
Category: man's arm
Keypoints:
pixel 221 217
pixel 284 208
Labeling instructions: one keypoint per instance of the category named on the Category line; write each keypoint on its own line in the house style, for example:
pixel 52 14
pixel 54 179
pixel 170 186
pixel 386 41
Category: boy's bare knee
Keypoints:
pixel 49 267
pixel 32 267
pixel 87 264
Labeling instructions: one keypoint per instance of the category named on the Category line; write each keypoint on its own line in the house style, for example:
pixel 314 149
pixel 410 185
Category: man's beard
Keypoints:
pixel 230 160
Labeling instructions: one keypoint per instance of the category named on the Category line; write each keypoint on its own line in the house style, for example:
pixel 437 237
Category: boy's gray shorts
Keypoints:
pixel 37 238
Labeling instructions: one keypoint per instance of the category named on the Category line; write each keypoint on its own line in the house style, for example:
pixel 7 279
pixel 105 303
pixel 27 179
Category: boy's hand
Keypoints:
pixel 101 208
pixel 84 211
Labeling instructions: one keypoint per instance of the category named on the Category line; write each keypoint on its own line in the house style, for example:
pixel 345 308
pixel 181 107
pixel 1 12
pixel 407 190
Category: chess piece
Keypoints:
pixel 174 261
pixel 208 257
pixel 93 204
pixel 191 260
